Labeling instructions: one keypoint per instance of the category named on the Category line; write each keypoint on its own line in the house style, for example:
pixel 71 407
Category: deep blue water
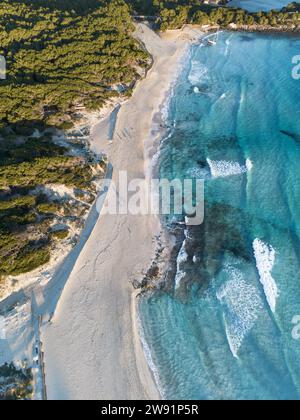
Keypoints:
pixel 225 332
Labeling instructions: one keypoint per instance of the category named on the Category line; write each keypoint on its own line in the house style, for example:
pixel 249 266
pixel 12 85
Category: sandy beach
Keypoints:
pixel 92 346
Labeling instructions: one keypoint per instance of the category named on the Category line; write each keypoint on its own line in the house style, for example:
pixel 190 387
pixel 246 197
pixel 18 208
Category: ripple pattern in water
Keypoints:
pixel 231 337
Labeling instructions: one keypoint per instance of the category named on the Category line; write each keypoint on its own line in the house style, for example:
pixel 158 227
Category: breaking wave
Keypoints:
pixel 223 168
pixel 265 260
pixel 181 258
pixel 198 73
pixel 242 307
pixel 198 173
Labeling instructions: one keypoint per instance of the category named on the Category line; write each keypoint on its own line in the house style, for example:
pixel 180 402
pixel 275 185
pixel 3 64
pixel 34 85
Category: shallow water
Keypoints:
pixel 229 336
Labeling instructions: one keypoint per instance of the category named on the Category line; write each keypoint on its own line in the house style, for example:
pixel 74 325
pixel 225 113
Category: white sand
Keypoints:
pixel 92 348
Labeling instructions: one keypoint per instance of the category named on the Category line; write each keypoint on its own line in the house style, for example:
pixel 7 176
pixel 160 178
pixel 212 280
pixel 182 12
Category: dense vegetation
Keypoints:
pixel 26 214
pixel 155 7
pixel 175 13
pixel 62 56
pixel 67 54
pixel 15 383
pixel 40 159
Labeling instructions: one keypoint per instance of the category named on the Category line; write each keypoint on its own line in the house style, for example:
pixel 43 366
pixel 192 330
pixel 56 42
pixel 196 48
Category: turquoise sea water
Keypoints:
pixel 226 332
pixel 259 5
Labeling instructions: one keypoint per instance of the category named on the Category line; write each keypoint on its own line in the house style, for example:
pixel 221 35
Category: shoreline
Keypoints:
pixel 149 129
pixel 93 338
pixel 232 27
pixel 101 256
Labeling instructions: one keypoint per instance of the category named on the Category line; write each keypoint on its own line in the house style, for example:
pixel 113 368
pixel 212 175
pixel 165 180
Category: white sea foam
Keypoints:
pixel 227 42
pixel 181 258
pixel 242 305
pixel 164 109
pixel 198 173
pixel 195 172
pixel 249 165
pixel 223 168
pixel 165 106
pixel 265 260
pixel 198 73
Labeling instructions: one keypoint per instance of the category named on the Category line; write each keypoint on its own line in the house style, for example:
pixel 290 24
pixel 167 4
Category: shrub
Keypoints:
pixel 60 234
